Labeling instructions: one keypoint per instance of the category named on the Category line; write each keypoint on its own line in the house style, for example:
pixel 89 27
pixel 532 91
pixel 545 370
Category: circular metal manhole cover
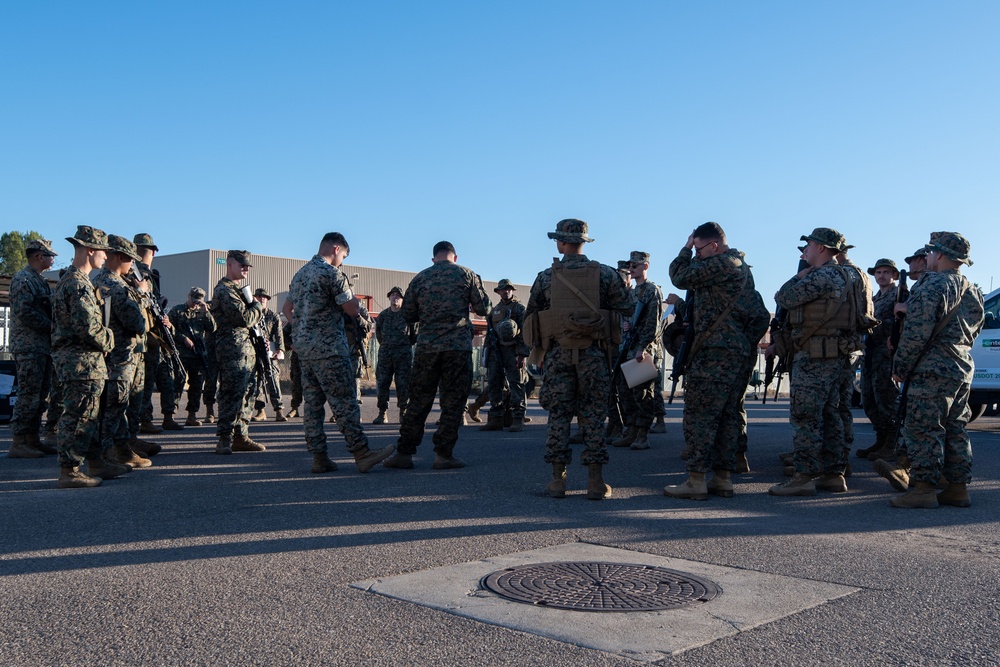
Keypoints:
pixel 596 586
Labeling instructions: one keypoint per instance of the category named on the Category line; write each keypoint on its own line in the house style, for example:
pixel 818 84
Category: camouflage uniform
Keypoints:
pixel 235 355
pixel 294 367
pixel 939 381
pixel 849 372
pixel 30 343
pixel 817 427
pixel 212 372
pixel 318 292
pixel 364 320
pixel 438 300
pixel 271 327
pixel 395 357
pixel 128 324
pixel 576 383
pixel 878 391
pixel 160 373
pixel 80 342
pixel 717 374
pixel 640 404
pixel 193 324
pixel 504 364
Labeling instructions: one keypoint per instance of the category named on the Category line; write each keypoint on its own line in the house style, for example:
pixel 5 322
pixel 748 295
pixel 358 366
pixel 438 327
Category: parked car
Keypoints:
pixel 985 394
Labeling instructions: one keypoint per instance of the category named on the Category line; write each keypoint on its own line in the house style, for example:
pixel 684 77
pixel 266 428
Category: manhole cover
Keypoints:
pixel 595 586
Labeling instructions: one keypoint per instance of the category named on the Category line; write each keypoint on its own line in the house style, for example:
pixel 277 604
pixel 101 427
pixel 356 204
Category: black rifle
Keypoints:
pixel 623 353
pixel 772 368
pixel 199 346
pixel 359 344
pixel 680 361
pixel 902 295
pixel 161 329
pixel 262 365
pixel 493 348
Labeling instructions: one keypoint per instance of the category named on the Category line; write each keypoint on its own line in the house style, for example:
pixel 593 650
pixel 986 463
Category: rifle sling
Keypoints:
pixel 700 340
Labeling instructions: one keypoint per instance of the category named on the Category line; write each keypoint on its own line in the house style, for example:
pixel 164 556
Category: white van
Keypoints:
pixel 985 395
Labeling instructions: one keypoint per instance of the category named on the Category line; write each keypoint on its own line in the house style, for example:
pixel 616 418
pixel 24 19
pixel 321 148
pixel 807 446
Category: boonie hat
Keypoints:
pixel 43 246
pixel 145 240
pixel 88 237
pixel 826 237
pixel 885 261
pixel 124 246
pixel 504 284
pixel 919 252
pixel 951 244
pixel 571 230
pixel 394 289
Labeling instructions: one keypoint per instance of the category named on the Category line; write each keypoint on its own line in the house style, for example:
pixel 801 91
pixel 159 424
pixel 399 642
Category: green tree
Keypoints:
pixel 12 246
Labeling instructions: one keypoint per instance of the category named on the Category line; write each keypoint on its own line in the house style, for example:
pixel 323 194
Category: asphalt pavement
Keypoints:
pixel 249 559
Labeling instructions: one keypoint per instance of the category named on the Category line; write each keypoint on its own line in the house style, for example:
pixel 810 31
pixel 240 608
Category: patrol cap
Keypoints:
pixel 623 264
pixel 43 246
pixel 919 252
pixel 241 256
pixel 88 237
pixel 951 244
pixel 638 257
pixel 571 230
pixel 394 289
pixel 261 292
pixel 504 284
pixel 196 294
pixel 124 246
pixel 829 238
pixel 885 261
pixel 145 241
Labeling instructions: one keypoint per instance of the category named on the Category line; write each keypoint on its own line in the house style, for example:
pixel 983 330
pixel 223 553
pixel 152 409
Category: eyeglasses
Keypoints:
pixel 700 248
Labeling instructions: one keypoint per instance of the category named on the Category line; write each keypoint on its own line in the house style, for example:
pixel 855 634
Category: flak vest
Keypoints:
pixel 831 326
pixel 574 318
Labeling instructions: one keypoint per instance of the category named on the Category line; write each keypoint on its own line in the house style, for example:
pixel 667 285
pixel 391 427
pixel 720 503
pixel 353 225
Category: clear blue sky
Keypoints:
pixel 262 125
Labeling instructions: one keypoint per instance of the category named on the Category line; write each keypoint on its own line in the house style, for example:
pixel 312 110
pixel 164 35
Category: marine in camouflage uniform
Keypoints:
pixel 363 321
pixel 438 301
pixel 234 350
pixel 319 298
pixel 505 359
pixel 850 368
pixel 80 342
pixel 878 392
pixel 729 320
pixel 395 354
pixel 944 314
pixel 271 328
pixel 821 341
pixel 125 365
pixel 30 343
pixel 192 324
pixel 160 372
pixel 294 370
pixel 576 367
pixel 640 404
pixel 211 387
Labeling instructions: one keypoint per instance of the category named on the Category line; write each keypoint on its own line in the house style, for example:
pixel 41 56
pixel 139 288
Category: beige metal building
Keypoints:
pixel 203 268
